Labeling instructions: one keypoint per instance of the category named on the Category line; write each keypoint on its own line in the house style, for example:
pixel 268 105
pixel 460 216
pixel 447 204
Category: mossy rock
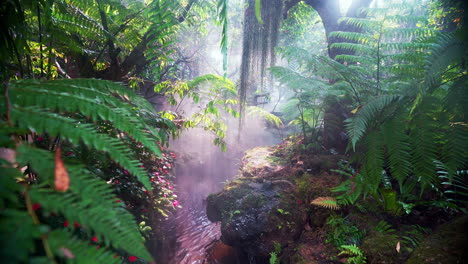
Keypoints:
pixel 447 245
pixel 380 248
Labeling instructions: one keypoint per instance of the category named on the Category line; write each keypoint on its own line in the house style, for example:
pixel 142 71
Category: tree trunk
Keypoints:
pixel 329 11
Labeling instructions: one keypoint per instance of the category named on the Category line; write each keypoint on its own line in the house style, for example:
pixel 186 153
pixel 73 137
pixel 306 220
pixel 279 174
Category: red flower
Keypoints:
pixel 75 224
pixel 94 239
pixel 152 180
pixel 117 201
pixel 132 258
pixel 299 201
pixel 125 172
pixel 36 206
pixel 65 223
pixel 146 191
pixel 39 139
pixel 69 153
pixel 116 182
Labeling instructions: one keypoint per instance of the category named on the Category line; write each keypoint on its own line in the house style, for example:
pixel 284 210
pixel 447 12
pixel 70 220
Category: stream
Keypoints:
pixel 202 169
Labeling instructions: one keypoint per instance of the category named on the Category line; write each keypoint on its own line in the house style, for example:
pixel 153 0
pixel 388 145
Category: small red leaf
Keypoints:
pixel 62 180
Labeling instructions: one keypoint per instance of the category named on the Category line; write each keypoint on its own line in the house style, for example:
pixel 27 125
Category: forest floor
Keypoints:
pixel 276 208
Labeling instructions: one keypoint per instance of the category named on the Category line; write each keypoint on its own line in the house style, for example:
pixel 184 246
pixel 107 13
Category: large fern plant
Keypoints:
pixel 407 85
pixel 415 118
pixel 39 186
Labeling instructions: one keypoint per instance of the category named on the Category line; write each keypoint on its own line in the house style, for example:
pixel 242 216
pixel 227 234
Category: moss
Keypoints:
pixel 253 201
pixel 380 248
pixel 448 245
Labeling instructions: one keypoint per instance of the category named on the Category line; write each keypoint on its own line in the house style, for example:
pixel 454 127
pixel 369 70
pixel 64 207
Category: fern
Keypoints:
pixel 70 110
pixel 355 255
pixel 359 124
pixel 384 227
pixel 261 112
pixel 326 202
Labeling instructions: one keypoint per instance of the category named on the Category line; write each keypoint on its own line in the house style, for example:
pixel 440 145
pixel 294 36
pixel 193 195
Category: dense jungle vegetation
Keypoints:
pixel 92 92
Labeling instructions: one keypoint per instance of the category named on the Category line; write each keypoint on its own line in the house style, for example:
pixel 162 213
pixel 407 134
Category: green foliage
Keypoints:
pixel 402 124
pixel 214 94
pixel 258 11
pixel 354 253
pixel 274 254
pixel 69 112
pixel 342 232
pixel 384 227
pixel 261 112
pixel 223 20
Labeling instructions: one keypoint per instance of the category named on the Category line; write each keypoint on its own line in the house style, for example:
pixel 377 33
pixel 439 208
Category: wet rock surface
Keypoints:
pixel 447 245
pixel 257 211
pixel 262 209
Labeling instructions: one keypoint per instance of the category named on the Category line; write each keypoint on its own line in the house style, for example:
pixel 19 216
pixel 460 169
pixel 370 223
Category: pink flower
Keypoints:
pixel 299 201
pixel 132 258
pixel 116 182
pixel 175 203
pixel 125 172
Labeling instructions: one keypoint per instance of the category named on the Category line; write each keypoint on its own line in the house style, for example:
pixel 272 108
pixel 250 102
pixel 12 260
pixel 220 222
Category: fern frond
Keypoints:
pixel 357 125
pixel 361 23
pixel 384 227
pixel 217 84
pixel 261 112
pixel 42 121
pixel 62 243
pixel 423 138
pixel 372 170
pixel 62 101
pixel 398 149
pixel 356 256
pixel 356 37
pixel 223 20
pixel 448 49
pixel 89 201
pixel 326 202
pixel 354 47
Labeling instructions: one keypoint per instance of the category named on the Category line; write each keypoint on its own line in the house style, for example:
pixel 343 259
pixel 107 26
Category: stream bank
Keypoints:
pixel 273 211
